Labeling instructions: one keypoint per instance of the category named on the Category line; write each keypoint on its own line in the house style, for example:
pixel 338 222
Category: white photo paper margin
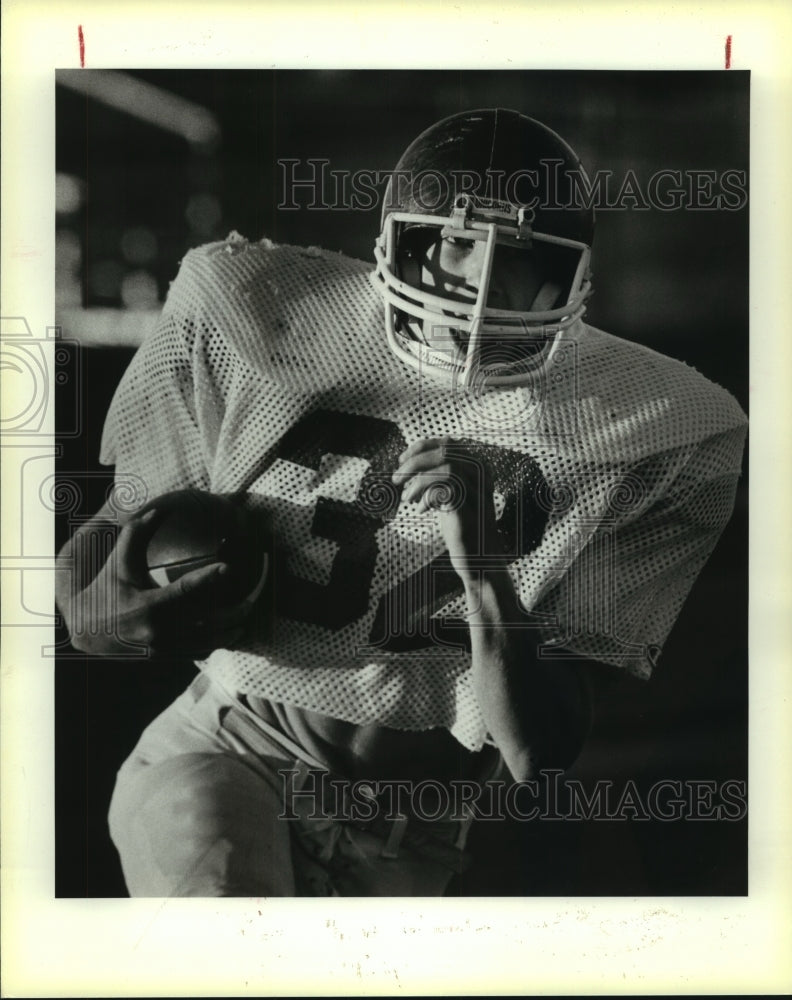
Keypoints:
pixel 69 947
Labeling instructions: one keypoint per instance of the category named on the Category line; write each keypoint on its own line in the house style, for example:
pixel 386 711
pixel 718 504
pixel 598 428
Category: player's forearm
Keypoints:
pixel 537 712
pixel 76 564
pixel 76 567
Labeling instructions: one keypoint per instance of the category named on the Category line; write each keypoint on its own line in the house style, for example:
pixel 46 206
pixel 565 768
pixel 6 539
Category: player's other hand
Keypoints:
pixel 119 606
pixel 444 475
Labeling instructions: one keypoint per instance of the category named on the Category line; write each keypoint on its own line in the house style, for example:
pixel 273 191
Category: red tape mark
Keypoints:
pixel 81 38
pixel 728 52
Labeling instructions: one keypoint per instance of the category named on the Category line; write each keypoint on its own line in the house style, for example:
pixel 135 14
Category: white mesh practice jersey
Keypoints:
pixel 269 373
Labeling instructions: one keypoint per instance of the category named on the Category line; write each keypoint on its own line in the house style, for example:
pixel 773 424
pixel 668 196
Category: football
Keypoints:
pixel 195 528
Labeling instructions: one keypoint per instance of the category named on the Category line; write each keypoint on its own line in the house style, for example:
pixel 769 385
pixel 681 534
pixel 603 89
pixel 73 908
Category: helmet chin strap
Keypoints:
pixel 474 343
pixel 546 297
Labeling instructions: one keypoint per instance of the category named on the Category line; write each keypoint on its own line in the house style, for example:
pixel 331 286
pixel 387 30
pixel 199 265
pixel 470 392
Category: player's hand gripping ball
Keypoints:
pixel 194 528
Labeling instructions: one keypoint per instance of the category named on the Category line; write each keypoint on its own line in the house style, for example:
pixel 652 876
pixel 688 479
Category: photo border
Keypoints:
pixel 72 947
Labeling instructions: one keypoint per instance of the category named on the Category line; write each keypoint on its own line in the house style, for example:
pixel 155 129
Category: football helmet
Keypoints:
pixel 482 187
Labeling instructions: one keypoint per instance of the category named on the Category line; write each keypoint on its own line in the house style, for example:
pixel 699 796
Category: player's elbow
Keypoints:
pixel 561 747
pixel 560 726
pixel 553 747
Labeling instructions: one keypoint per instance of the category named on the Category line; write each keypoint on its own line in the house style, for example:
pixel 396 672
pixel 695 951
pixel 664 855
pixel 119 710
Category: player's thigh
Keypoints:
pixel 201 824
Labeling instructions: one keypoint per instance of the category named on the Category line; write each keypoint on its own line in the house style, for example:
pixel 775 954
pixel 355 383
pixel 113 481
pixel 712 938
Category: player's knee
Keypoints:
pixel 201 825
pixel 189 813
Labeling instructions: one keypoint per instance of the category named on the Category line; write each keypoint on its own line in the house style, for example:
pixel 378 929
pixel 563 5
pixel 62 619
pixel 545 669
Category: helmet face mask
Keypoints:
pixel 475 290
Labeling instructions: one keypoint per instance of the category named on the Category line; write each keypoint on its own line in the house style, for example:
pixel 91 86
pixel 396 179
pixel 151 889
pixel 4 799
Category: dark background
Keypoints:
pixel 676 281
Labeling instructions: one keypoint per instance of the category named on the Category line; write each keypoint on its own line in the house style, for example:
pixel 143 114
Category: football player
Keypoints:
pixel 482 509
